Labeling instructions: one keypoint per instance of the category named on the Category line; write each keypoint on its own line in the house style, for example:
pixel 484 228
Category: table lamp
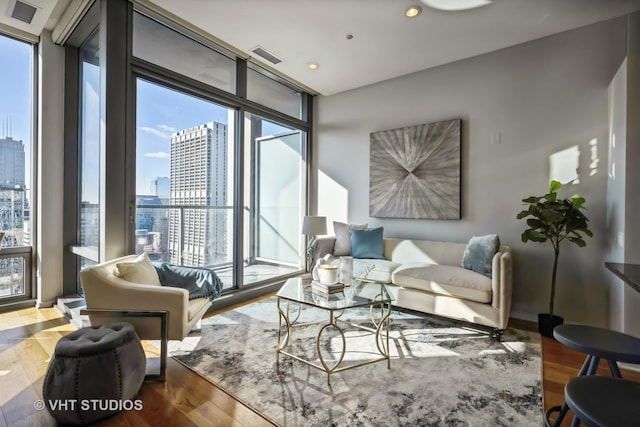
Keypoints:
pixel 313 226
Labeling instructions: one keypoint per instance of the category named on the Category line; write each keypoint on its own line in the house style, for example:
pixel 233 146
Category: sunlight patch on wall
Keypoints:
pixel 593 165
pixel 333 200
pixel 564 165
pixel 612 166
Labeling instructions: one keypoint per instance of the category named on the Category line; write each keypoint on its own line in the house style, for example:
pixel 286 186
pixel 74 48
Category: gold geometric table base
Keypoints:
pixel 381 333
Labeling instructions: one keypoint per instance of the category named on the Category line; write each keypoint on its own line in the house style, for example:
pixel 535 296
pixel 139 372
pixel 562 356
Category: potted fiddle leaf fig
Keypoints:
pixel 554 220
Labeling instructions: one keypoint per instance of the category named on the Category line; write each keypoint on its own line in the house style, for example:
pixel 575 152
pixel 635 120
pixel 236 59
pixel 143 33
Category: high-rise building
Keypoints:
pixel 13 207
pixel 160 186
pixel 11 163
pixel 151 227
pixel 199 177
pixel 13 201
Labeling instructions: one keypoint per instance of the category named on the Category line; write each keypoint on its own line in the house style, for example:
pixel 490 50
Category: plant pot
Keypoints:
pixel 546 323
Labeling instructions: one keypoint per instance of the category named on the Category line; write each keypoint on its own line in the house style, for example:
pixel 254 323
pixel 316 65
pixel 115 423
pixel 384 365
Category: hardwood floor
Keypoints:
pixel 28 337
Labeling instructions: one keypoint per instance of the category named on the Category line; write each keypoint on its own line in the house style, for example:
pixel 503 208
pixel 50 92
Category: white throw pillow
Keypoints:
pixel 343 238
pixel 138 271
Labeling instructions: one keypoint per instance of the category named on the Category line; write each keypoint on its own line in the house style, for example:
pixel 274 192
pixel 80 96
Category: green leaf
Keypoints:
pixel 532 199
pixel 553 186
pixel 578 201
pixel 535 236
pixel 536 223
pixel 578 241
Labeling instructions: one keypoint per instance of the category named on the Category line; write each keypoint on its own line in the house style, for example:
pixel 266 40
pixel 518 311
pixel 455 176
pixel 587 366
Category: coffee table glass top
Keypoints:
pixel 359 294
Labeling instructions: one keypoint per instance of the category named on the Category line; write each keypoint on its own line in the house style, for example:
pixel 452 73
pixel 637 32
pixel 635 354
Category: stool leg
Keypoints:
pixel 613 367
pixel 575 422
pixel 593 367
pixel 564 408
pixel 563 411
pixel 585 366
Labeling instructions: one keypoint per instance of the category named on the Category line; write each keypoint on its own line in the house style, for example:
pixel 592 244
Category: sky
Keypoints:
pixel 160 112
pixel 15 95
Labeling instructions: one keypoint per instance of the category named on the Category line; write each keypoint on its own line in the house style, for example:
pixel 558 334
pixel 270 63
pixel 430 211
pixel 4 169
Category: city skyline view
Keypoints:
pixel 15 107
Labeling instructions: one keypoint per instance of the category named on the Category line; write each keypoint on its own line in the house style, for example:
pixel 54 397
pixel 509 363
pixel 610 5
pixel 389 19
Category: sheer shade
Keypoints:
pixel 314 225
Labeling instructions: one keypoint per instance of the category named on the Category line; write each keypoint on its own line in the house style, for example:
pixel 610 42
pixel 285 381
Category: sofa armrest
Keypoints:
pixel 501 284
pixel 320 247
pixel 103 290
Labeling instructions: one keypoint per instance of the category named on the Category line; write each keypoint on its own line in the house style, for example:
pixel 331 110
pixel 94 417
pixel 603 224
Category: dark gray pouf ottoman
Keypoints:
pixel 93 371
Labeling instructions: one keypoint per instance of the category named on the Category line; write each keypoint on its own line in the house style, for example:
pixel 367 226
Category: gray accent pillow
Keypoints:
pixel 343 238
pixel 478 256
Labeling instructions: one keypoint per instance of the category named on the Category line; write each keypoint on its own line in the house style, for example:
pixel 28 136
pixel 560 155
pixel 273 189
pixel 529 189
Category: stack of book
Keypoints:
pixel 324 289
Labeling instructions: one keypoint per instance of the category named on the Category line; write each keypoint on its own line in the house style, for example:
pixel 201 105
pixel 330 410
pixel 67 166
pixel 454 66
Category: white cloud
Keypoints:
pixel 158 155
pixel 156 132
pixel 167 128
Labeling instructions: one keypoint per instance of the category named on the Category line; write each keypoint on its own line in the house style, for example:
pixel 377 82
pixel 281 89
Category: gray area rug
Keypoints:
pixel 443 373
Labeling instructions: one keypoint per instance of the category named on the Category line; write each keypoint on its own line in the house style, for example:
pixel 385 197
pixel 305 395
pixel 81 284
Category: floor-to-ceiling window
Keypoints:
pixel 89 152
pixel 215 165
pixel 274 199
pixel 186 164
pixel 184 179
pixel 16 195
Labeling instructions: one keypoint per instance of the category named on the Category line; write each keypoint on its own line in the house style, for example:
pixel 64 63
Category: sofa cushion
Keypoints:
pixel 342 246
pixel 478 256
pixel 139 271
pixel 367 243
pixel 445 280
pixel 378 270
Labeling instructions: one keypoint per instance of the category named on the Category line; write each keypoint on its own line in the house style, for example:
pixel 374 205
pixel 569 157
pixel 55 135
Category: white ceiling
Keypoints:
pixel 47 14
pixel 385 43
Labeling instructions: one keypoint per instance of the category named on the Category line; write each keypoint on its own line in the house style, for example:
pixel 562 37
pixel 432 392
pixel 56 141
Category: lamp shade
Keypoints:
pixel 314 225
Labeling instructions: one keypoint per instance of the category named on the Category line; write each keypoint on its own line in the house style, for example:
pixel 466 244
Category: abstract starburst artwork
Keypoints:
pixel 414 172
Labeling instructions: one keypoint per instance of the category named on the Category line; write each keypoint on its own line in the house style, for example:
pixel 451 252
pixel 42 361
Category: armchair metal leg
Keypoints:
pixel 164 333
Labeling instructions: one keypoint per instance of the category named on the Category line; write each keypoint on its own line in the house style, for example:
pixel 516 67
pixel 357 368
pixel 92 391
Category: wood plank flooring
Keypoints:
pixel 28 337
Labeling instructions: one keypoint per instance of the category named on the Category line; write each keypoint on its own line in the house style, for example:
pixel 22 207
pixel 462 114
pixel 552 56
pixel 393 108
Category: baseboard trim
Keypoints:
pixel 10 306
pixel 524 316
pixel 45 304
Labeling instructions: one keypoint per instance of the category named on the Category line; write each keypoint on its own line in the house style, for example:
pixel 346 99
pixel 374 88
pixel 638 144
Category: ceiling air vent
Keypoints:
pixel 23 11
pixel 265 54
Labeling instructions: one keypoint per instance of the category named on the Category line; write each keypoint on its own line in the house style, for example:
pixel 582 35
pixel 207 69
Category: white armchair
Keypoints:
pixel 140 304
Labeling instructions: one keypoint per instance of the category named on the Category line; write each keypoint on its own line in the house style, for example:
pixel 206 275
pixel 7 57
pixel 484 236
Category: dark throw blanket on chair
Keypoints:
pixel 200 282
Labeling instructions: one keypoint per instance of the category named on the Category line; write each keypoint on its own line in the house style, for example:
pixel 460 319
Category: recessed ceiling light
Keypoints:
pixel 413 11
pixel 313 66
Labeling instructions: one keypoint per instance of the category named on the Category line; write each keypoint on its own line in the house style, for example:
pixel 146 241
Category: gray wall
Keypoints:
pixel 520 106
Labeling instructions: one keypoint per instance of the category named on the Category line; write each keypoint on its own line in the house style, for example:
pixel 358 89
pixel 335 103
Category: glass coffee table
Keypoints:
pixel 361 293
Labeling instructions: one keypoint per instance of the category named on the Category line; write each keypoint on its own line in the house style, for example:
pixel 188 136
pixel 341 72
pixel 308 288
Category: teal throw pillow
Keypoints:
pixel 478 256
pixel 367 243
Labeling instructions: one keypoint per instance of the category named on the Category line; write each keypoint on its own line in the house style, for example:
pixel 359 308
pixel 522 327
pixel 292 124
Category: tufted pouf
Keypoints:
pixel 94 373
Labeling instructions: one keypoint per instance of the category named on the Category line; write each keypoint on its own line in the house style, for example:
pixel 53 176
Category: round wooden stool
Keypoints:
pixel 601 401
pixel 596 343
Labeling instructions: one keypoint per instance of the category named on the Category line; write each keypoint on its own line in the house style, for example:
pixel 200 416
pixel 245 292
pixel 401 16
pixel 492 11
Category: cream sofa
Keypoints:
pixel 428 277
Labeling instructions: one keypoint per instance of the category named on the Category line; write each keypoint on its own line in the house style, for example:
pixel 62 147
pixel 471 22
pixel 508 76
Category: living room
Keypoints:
pixel 546 107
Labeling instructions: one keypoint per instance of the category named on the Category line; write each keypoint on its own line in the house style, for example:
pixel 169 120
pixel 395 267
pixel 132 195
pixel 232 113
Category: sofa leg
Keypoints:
pixel 497 334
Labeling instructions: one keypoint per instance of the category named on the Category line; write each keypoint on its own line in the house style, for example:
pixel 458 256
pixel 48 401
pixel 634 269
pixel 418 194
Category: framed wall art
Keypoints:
pixel 414 172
